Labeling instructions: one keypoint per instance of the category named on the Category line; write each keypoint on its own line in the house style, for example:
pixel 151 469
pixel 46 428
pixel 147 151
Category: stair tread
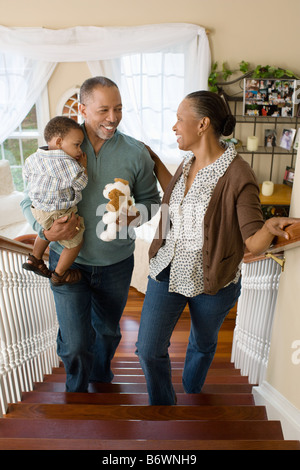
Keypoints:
pixel 184 430
pixel 133 370
pixel 135 412
pixel 135 379
pixel 135 398
pixel 142 388
pixel 138 445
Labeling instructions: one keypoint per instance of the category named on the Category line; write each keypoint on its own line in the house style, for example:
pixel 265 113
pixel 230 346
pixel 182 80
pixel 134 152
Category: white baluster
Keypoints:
pixel 8 335
pixel 254 320
pixel 29 288
pixel 27 356
pixel 28 329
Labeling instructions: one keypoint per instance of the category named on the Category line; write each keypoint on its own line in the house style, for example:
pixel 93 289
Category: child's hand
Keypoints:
pixel 83 160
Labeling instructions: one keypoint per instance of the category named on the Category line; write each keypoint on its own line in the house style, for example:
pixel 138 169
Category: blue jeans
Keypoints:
pixel 88 314
pixel 161 311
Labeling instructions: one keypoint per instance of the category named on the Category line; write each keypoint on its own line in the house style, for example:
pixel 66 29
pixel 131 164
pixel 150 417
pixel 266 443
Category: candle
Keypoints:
pixel 252 143
pixel 267 188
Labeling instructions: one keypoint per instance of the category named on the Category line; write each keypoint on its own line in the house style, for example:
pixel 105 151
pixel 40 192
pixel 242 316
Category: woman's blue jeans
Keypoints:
pixel 88 314
pixel 161 311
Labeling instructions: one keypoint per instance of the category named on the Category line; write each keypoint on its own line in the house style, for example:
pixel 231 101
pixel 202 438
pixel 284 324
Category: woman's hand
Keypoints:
pixel 274 227
pixel 63 229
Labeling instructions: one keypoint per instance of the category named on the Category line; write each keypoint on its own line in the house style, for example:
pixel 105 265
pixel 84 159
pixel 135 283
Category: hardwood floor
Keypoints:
pixel 179 340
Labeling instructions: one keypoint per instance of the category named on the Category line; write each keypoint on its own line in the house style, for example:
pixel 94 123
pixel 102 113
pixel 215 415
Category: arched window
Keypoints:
pixel 69 105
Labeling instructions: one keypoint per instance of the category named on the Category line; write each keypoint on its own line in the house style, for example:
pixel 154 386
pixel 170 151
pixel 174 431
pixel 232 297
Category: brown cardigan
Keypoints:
pixel 233 215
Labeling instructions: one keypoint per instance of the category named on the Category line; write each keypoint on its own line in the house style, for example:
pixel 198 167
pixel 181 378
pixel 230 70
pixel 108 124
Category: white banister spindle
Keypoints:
pixel 28 329
pixel 251 340
pixel 9 335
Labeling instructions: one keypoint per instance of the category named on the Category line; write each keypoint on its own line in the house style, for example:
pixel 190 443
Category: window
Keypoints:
pixel 152 86
pixel 24 141
pixel 69 105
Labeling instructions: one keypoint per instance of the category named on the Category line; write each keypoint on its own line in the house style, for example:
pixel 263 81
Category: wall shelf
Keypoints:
pixel 255 125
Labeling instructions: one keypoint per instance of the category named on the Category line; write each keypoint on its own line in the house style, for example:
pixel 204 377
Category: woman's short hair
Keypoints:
pixel 213 106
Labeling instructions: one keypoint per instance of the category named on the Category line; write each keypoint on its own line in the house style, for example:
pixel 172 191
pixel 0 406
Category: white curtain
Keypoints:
pixel 152 85
pixel 22 80
pixel 28 57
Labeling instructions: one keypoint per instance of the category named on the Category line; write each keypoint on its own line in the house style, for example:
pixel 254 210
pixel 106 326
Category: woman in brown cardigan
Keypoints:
pixel 210 212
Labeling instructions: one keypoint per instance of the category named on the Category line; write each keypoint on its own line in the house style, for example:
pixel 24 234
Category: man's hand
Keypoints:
pixel 126 219
pixel 63 229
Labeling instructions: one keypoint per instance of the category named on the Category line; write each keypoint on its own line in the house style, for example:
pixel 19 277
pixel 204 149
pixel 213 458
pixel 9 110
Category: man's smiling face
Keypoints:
pixel 103 111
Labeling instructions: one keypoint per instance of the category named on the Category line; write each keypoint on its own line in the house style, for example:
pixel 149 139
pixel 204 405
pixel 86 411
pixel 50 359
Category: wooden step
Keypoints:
pixel 139 445
pixel 177 379
pixel 135 412
pixel 117 416
pixel 176 371
pixel 142 388
pixel 110 430
pixel 135 398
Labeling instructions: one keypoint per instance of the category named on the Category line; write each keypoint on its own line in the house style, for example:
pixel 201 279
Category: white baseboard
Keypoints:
pixel 279 409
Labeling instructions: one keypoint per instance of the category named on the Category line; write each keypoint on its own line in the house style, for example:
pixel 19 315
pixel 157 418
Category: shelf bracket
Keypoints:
pixel 280 261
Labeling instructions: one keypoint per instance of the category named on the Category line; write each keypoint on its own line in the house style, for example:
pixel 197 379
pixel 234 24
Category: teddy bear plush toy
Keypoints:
pixel 120 200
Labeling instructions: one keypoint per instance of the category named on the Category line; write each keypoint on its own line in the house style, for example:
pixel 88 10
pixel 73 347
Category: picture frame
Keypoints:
pixel 270 138
pixel 297 140
pixel 289 174
pixel 269 97
pixel 287 138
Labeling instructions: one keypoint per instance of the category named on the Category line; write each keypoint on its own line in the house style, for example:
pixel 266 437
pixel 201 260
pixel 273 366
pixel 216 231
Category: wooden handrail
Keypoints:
pixel 282 244
pixel 14 246
pixel 279 245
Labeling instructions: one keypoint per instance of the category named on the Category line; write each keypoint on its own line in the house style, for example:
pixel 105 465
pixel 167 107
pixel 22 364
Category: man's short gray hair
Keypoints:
pixel 90 84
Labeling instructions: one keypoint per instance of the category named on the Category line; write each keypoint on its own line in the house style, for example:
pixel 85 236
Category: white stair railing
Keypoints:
pixel 254 320
pixel 256 306
pixel 28 325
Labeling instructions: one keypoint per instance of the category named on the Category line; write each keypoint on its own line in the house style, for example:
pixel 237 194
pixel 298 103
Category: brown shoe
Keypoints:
pixel 71 276
pixel 37 266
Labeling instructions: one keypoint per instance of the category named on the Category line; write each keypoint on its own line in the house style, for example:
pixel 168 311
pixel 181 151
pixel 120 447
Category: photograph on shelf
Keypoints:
pixel 287 138
pixel 297 140
pixel 268 97
pixel 289 176
pixel 270 138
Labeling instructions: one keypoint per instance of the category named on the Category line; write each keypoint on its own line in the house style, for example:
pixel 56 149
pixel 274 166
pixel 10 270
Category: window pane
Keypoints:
pixel 12 151
pixel 17 178
pixel 29 146
pixel 30 122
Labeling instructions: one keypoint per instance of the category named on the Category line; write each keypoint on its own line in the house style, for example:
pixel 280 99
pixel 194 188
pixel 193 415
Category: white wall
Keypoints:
pixel 284 361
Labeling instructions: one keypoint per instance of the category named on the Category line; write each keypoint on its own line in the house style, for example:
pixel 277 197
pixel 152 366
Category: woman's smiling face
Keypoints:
pixel 187 126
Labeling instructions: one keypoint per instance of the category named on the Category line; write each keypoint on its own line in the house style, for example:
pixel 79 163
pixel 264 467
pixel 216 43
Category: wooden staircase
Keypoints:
pixel 117 416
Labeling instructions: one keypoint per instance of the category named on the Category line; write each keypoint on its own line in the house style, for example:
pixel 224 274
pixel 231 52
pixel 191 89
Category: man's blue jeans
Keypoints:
pixel 88 314
pixel 161 311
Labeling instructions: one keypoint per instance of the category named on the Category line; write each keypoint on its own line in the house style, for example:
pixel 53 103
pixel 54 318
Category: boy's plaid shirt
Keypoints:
pixel 54 178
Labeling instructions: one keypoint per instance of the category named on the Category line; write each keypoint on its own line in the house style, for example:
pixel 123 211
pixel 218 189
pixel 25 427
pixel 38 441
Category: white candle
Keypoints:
pixel 267 188
pixel 252 143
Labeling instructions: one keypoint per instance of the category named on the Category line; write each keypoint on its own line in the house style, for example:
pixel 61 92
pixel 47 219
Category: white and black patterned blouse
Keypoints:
pixel 183 246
